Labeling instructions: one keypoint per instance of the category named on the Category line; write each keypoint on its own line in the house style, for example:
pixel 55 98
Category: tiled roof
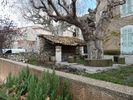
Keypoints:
pixel 64 40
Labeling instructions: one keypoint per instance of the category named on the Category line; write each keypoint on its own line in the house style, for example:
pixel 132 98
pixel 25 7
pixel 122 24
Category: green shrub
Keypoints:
pixel 112 52
pixel 31 87
pixel 33 60
pixel 81 61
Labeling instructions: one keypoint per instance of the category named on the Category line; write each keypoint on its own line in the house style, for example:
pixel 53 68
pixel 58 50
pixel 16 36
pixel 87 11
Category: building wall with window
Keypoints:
pixel 28 38
pixel 119 34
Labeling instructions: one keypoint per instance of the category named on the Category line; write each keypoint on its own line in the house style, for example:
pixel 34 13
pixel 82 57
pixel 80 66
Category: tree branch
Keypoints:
pixel 36 7
pixel 54 8
pixel 63 6
pixel 119 2
pixel 44 6
pixel 98 3
pixel 74 8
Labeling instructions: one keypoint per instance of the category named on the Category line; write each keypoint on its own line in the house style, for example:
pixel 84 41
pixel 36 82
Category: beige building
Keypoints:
pixel 28 38
pixel 119 35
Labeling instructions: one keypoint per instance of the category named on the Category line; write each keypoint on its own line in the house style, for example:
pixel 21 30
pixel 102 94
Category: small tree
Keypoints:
pixel 7 32
pixel 92 31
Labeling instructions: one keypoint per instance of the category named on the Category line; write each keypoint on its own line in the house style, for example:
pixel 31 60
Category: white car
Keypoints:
pixel 7 51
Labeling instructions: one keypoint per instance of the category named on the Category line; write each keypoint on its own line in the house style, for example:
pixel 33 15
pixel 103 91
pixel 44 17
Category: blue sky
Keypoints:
pixel 83 5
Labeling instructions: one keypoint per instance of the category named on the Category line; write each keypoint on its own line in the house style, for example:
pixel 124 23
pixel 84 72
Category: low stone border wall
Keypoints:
pixel 82 88
pixel 99 62
pixel 119 60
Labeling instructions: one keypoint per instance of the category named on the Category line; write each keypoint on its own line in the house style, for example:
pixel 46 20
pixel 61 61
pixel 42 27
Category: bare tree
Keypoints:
pixel 92 31
pixel 7 32
pixel 37 16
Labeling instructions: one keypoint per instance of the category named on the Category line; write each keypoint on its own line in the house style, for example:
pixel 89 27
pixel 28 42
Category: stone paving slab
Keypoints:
pixel 129 59
pixel 90 69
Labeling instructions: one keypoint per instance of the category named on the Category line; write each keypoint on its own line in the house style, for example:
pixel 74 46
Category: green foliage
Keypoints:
pixel 65 91
pixel 34 88
pixel 112 52
pixel 81 61
pixel 3 96
pixel 123 75
pixel 33 60
pixel 10 80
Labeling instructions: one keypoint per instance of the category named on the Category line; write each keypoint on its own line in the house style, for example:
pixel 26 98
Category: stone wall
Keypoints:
pixel 82 88
pixel 46 47
pixel 114 26
pixel 41 44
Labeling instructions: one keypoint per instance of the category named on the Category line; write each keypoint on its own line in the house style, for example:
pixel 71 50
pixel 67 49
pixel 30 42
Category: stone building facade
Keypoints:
pixel 60 47
pixel 119 34
pixel 28 38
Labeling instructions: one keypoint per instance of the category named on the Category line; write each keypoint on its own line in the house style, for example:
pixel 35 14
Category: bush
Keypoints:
pixel 29 87
pixel 112 52
pixel 33 60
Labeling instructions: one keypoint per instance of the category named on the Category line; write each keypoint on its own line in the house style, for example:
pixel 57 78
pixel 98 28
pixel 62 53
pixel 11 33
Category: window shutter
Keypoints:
pixel 123 10
pixel 132 6
pixel 129 6
pixel 122 40
pixel 127 40
pixel 130 38
pixel 127 9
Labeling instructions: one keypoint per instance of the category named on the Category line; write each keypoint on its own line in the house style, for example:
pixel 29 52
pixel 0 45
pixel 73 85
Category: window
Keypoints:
pixel 127 8
pixel 127 39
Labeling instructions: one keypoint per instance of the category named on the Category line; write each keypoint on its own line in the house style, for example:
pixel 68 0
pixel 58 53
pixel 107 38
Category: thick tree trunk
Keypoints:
pixel 95 49
pixel 91 50
pixel 94 44
pixel 99 42
pixel 99 48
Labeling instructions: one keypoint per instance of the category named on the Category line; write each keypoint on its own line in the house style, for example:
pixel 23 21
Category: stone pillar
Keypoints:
pixel 82 50
pixel 41 44
pixel 58 53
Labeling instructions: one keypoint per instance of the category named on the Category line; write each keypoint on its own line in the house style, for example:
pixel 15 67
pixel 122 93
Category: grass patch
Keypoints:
pixel 122 75
pixel 81 61
pixel 33 61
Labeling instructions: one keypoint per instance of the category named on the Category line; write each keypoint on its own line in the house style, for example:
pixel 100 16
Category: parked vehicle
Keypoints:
pixel 10 51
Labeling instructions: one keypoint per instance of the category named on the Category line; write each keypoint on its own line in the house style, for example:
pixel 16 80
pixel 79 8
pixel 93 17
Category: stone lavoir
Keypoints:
pixel 60 46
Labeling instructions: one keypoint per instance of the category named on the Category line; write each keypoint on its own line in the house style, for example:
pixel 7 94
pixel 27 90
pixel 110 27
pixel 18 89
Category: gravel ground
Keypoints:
pixel 89 69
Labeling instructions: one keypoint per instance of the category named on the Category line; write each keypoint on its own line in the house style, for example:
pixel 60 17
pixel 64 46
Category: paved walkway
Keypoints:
pixel 90 69
pixel 129 59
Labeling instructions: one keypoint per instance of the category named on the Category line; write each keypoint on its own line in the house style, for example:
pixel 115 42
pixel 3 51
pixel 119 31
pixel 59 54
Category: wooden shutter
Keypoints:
pixel 129 6
pixel 127 40
pixel 123 10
